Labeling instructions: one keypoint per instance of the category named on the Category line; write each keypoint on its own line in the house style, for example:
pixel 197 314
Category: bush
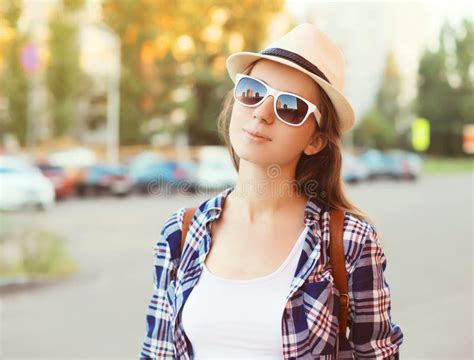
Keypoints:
pixel 32 252
pixel 374 131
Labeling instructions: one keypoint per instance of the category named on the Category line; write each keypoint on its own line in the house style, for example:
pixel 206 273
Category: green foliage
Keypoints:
pixel 446 88
pixel 387 96
pixel 10 11
pixel 73 5
pixel 377 126
pixel 176 45
pixel 437 165
pixel 13 81
pixel 28 251
pixel 374 131
pixel 64 77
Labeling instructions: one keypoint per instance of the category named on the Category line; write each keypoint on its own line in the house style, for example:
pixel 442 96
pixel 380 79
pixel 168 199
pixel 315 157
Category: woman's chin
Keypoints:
pixel 254 157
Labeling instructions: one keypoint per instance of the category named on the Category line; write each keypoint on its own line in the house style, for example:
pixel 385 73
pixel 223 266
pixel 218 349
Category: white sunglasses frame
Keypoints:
pixel 276 93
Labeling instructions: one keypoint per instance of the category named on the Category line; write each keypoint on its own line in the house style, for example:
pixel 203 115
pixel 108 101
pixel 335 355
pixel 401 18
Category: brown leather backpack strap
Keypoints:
pixel 336 250
pixel 188 215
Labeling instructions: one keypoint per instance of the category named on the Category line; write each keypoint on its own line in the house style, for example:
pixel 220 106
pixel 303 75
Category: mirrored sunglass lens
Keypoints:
pixel 291 109
pixel 249 92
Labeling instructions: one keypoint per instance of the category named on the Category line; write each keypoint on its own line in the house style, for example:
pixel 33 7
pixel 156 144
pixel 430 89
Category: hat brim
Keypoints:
pixel 238 62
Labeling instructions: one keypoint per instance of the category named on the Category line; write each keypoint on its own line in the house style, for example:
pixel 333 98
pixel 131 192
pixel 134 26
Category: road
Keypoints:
pixel 425 228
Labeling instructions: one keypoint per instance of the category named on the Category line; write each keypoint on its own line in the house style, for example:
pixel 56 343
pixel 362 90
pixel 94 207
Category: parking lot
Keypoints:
pixel 425 227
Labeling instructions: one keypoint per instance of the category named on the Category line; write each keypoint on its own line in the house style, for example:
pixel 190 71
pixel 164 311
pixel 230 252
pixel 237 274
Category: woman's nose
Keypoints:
pixel 265 110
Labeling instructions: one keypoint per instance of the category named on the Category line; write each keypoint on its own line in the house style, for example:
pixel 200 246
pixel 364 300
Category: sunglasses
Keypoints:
pixel 290 108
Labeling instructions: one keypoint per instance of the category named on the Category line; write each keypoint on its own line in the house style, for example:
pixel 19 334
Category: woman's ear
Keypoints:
pixel 316 144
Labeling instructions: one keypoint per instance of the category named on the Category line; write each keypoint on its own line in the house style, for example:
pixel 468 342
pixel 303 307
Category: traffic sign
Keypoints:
pixel 420 134
pixel 29 58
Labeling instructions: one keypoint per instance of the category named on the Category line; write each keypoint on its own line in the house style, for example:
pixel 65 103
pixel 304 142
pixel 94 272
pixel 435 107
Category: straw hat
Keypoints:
pixel 310 51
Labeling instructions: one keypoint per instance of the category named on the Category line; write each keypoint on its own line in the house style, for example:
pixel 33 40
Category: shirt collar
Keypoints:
pixel 215 205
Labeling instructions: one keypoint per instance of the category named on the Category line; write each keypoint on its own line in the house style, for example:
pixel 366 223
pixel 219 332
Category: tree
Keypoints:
pixel 374 131
pixel 14 84
pixel 173 61
pixel 64 77
pixel 446 88
pixel 377 128
pixel 387 97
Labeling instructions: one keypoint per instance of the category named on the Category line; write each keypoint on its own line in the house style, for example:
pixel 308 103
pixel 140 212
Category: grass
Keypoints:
pixel 26 251
pixel 447 165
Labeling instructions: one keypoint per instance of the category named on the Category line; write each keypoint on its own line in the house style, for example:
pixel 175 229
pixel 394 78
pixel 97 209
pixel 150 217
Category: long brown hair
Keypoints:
pixel 322 169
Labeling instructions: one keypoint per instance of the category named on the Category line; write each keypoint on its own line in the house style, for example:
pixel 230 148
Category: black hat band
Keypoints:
pixel 297 59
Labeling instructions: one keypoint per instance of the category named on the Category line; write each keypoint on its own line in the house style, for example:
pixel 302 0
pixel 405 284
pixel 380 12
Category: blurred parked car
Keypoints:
pixel 103 179
pixel 63 183
pixel 23 185
pixel 353 169
pixel 73 158
pixel 375 162
pixel 151 172
pixel 215 168
pixel 403 164
pixel 74 161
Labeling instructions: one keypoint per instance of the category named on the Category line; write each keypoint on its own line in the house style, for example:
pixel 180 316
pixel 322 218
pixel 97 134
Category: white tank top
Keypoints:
pixel 240 319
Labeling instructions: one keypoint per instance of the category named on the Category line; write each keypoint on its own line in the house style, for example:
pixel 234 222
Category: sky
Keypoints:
pixel 438 10
pixel 366 31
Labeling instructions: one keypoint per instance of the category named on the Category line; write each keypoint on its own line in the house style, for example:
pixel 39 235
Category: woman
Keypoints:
pixel 254 280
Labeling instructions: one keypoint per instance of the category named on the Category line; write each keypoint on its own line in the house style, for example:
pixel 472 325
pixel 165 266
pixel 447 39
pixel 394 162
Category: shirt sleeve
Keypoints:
pixel 373 335
pixel 158 342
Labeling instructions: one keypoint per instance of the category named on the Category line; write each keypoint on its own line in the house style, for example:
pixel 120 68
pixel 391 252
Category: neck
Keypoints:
pixel 263 192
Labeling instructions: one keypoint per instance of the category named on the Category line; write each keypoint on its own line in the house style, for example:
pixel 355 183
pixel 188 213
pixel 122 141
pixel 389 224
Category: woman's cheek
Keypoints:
pixel 285 148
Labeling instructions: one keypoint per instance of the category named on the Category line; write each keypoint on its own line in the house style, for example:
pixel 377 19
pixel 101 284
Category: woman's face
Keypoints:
pixel 287 142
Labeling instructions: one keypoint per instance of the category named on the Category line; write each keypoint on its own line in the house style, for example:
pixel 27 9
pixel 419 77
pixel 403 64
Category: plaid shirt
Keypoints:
pixel 310 321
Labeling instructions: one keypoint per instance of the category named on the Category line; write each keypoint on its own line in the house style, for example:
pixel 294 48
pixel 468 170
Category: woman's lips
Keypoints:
pixel 256 136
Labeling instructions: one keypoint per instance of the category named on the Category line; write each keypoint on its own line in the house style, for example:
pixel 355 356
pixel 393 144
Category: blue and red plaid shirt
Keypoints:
pixel 310 326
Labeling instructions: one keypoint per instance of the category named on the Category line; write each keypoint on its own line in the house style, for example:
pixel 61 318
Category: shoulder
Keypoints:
pixel 169 240
pixel 170 234
pixel 357 235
